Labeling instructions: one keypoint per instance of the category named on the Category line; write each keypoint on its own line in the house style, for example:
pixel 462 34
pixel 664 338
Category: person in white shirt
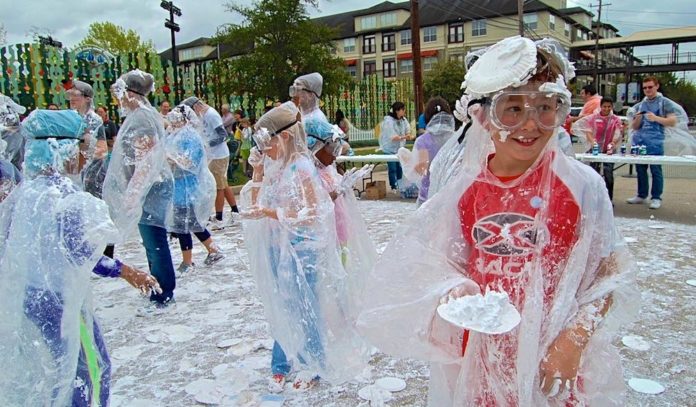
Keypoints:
pixel 218 155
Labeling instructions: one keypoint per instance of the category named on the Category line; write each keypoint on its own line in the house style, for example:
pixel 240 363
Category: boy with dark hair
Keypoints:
pixel 605 129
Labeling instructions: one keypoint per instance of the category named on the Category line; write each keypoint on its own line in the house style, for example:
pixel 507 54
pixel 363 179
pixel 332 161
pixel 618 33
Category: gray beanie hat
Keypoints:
pixel 139 82
pixel 84 88
pixel 190 101
pixel 312 82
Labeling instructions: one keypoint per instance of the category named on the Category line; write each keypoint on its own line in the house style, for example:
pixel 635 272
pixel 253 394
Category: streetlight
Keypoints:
pixel 173 27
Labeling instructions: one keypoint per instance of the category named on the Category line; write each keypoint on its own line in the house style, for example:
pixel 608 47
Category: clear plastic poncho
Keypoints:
pixel 295 258
pixel 389 128
pixel 194 184
pixel 357 250
pixel 416 165
pixel 9 174
pixel 95 154
pixel 138 184
pixel 51 236
pixel 11 130
pixel 663 140
pixel 546 238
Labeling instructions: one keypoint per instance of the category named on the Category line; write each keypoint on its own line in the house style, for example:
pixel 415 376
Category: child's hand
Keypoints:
pixel 559 369
pixel 468 287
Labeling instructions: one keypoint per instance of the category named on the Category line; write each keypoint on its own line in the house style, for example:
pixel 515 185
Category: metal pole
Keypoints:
pixel 175 58
pixel 596 59
pixel 415 51
pixel 520 17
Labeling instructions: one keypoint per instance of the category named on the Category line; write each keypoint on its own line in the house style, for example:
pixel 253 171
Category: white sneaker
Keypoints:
pixel 635 200
pixel 215 224
pixel 655 203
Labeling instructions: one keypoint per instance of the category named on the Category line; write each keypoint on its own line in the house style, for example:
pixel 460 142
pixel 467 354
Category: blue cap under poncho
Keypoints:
pixel 58 124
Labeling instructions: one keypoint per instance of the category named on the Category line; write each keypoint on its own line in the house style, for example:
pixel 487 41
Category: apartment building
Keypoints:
pixel 377 40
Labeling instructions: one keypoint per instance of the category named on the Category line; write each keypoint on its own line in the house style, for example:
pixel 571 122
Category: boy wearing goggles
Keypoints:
pixel 520 218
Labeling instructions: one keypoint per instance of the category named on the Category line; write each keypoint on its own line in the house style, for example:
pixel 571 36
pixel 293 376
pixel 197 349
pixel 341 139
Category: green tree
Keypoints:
pixel 115 39
pixel 445 80
pixel 281 43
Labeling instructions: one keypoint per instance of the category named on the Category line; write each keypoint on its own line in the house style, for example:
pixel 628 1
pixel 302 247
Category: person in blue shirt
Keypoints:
pixel 653 114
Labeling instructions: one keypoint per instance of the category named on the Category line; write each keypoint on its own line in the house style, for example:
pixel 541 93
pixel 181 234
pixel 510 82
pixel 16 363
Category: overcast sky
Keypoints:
pixel 67 20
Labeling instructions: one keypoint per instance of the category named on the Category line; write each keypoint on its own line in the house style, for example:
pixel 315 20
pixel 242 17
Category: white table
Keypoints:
pixel 366 159
pixel 638 159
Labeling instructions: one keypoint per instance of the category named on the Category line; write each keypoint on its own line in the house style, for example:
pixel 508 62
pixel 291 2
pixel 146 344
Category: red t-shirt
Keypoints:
pixel 498 223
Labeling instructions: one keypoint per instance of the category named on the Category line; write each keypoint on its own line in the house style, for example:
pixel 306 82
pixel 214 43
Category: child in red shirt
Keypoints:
pixel 520 218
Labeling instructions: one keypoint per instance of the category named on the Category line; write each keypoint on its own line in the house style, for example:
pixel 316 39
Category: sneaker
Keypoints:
pixel 185 268
pixel 213 258
pixel 655 203
pixel 276 384
pixel 154 308
pixel 635 200
pixel 215 224
pixel 305 380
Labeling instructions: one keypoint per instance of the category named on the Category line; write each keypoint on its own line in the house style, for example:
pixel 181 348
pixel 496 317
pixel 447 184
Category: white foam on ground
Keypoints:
pixel 635 342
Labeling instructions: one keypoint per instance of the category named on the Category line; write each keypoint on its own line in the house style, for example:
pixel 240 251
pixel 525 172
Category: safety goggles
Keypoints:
pixel 296 89
pixel 262 136
pixel 510 110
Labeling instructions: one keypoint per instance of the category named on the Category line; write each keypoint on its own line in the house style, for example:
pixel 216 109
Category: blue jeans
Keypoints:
pixel 305 305
pixel 159 260
pixel 643 183
pixel 395 173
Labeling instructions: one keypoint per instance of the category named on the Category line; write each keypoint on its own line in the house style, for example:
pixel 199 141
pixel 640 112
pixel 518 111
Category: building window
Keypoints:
pixel 566 29
pixel 369 45
pixel 369 68
pixel 405 37
pixel 430 34
pixel 352 71
pixel 387 20
pixel 429 63
pixel 478 28
pixel 578 34
pixel 368 22
pixel 530 21
pixel 389 68
pixel 457 57
pixel 349 45
pixel 584 36
pixel 456 33
pixel 552 22
pixel 191 53
pixel 388 43
pixel 406 66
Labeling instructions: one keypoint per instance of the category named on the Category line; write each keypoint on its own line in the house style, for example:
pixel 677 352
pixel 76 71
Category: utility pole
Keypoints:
pixel 173 27
pixel 415 51
pixel 520 17
pixel 596 55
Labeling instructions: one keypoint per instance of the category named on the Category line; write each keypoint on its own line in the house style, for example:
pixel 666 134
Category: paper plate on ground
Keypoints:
pixel 656 226
pixel 392 384
pixel 628 239
pixel 374 393
pixel 490 314
pixel 635 342
pixel 646 386
pixel 691 282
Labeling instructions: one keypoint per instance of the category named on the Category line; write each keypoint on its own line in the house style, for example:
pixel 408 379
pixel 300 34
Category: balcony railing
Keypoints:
pixel 369 49
pixel 389 46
